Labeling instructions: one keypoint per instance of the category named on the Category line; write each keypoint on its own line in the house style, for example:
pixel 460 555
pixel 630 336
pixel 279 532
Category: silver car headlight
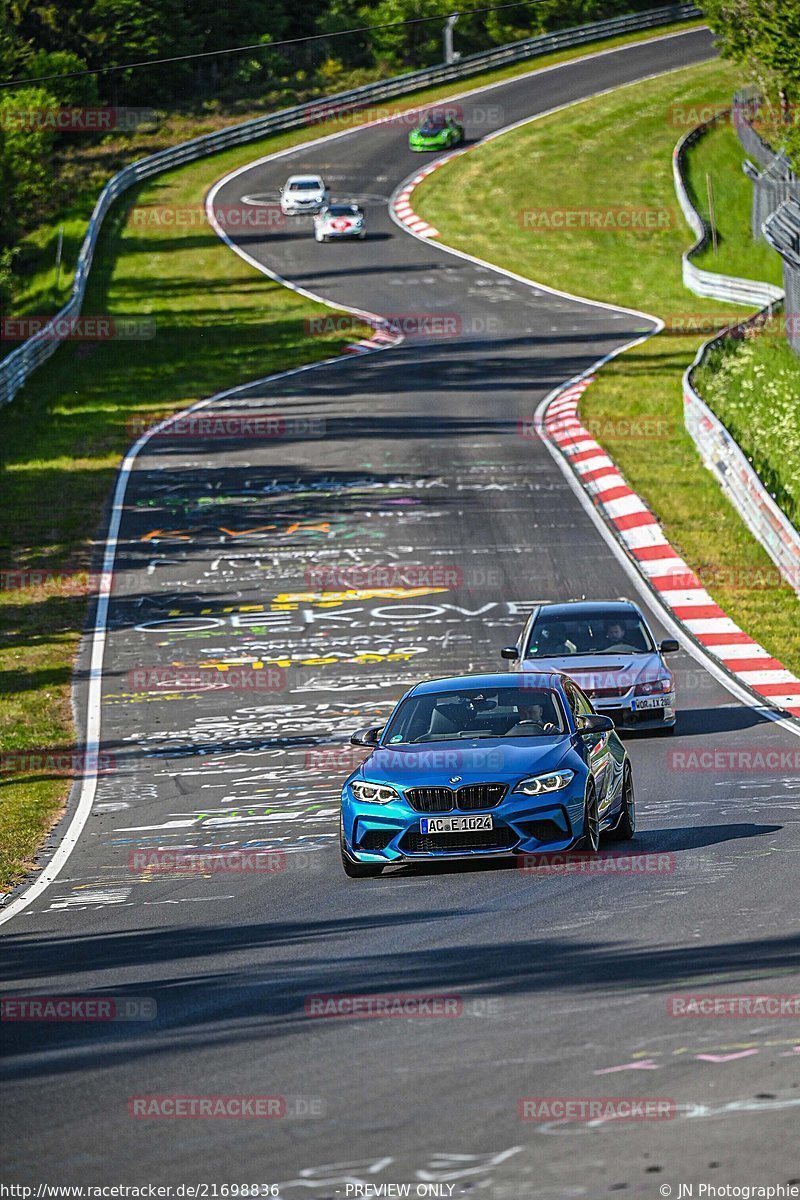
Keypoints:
pixel 653 687
pixel 373 793
pixel 538 785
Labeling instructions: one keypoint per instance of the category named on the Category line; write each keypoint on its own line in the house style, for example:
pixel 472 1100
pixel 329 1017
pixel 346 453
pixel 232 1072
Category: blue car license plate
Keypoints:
pixel 455 824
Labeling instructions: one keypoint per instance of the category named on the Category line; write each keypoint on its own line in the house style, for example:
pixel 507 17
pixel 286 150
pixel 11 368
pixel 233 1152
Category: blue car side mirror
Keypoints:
pixel 366 737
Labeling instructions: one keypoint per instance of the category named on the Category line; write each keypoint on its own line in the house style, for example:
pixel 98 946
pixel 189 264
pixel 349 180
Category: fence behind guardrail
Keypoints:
pixel 782 231
pixel 776 183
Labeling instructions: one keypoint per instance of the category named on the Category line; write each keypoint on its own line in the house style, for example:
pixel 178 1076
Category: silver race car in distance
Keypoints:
pixel 607 647
pixel 303 194
pixel 339 221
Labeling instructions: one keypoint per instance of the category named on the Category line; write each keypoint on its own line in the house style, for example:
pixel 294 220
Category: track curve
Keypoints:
pixel 413 454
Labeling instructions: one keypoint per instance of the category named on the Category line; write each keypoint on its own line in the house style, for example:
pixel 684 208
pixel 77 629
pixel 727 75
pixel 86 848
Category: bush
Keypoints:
pixel 25 149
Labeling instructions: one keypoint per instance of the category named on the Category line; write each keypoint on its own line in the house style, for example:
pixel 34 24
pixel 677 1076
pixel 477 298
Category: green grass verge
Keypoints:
pixel 718 156
pixel 753 386
pixel 86 167
pixel 616 150
pixel 218 323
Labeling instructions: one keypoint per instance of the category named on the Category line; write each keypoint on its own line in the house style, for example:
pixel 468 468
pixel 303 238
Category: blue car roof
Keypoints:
pixel 551 679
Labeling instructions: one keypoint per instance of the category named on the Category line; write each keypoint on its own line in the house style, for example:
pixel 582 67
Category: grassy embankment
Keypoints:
pixel 217 323
pixel 616 150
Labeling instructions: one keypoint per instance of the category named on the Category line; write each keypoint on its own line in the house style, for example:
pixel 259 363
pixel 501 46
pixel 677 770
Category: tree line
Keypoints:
pixel 764 37
pixel 70 37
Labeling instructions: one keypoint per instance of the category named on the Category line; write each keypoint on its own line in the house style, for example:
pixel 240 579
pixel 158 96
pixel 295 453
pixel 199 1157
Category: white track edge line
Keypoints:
pixel 708 661
pixel 89 782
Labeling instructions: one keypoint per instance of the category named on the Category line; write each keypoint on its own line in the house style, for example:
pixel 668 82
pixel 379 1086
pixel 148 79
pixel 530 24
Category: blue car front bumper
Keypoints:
pixel 391 833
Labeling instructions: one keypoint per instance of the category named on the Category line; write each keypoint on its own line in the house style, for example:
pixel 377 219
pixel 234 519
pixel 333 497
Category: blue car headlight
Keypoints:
pixel 538 785
pixel 373 793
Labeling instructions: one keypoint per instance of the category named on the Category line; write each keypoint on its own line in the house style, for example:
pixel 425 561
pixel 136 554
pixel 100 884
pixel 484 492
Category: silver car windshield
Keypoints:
pixel 600 632
pixel 502 712
pixel 305 185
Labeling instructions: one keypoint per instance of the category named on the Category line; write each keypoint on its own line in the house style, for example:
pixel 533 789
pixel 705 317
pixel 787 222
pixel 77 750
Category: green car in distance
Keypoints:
pixel 437 131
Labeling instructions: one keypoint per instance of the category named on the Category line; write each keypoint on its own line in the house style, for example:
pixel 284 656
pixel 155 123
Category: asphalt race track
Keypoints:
pixel 413 455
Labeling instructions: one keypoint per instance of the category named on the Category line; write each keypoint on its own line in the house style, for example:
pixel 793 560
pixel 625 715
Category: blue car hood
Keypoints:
pixel 482 760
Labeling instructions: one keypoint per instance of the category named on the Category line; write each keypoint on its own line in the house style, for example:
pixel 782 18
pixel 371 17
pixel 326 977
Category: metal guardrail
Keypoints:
pixel 712 284
pixel 17 367
pixel 782 231
pixel 719 451
pixel 726 460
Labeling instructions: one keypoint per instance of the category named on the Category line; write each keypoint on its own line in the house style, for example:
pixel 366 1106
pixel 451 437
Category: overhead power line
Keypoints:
pixel 313 37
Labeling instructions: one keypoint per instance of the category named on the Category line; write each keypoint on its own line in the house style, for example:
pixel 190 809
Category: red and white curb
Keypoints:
pixel 401 202
pixel 381 339
pixel 678 588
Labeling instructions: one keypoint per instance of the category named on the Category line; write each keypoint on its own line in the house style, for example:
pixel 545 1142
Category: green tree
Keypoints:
pixel 25 146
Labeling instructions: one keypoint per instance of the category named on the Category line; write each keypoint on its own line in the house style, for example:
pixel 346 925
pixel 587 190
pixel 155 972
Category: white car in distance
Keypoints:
pixel 303 194
pixel 339 221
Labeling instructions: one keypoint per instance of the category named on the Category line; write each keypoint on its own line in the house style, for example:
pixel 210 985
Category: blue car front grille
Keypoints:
pixel 375 839
pixel 545 831
pixel 503 838
pixel 468 798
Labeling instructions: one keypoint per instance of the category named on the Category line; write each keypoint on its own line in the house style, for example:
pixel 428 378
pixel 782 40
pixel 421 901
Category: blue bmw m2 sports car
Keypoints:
pixel 485 766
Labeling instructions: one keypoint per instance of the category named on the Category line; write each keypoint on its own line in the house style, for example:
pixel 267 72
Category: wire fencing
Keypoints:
pixel 776 205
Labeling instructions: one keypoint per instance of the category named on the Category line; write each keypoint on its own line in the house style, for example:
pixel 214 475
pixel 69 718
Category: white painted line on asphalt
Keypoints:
pixel 88 784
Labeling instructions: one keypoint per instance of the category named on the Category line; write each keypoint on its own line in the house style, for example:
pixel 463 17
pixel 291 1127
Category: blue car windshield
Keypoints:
pixel 594 632
pixel 499 712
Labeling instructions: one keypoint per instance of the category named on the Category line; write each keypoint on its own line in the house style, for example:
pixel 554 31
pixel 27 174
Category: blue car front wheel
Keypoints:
pixel 590 839
pixel 626 825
